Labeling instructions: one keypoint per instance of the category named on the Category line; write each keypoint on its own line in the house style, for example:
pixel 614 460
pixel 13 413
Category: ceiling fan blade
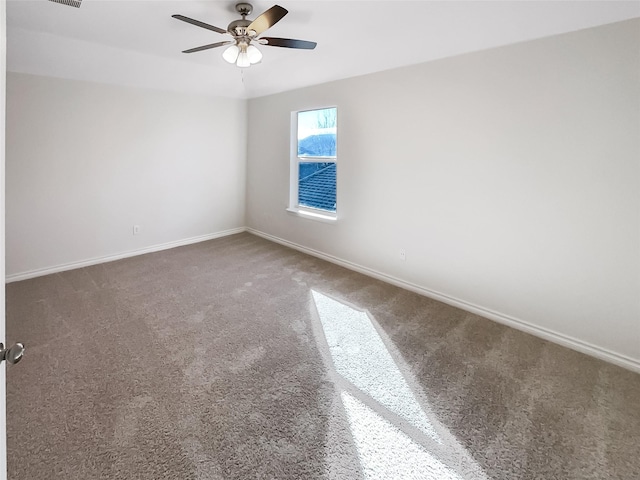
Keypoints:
pixel 268 19
pixel 288 43
pixel 207 47
pixel 198 23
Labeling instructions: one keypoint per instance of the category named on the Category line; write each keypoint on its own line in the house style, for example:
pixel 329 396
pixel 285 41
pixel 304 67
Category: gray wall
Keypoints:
pixel 86 162
pixel 511 177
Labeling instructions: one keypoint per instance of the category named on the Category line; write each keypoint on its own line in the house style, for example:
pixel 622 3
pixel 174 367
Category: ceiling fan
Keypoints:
pixel 241 50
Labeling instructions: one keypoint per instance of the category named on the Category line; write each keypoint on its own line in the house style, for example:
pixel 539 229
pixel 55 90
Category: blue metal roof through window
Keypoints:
pixel 317 185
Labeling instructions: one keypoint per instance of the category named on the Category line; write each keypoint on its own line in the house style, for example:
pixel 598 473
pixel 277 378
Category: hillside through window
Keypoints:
pixel 315 160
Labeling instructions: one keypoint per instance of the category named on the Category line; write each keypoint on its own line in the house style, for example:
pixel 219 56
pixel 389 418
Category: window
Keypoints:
pixel 313 163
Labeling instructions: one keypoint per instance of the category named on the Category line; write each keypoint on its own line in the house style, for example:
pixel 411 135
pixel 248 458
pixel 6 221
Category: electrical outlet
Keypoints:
pixel 403 255
pixel 136 229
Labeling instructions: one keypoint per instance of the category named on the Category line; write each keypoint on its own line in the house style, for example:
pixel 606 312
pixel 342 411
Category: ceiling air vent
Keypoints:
pixel 71 3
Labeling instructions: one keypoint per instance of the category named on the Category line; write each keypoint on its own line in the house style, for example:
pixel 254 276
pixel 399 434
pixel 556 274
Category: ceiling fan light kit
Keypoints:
pixel 243 55
pixel 241 51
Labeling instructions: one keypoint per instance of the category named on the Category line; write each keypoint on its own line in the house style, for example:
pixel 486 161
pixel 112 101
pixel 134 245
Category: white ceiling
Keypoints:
pixel 137 43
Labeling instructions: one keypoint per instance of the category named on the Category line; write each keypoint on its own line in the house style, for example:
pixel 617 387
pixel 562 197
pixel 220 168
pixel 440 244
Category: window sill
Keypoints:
pixel 317 216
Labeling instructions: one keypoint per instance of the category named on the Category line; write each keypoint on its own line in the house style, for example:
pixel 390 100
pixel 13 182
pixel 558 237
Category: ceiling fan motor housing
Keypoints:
pixel 238 28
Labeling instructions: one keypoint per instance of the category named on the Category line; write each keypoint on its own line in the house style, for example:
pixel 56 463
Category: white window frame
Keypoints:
pixel 295 160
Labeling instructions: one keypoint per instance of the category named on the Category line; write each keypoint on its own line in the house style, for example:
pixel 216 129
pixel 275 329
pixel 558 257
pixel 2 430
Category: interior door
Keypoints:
pixel 3 85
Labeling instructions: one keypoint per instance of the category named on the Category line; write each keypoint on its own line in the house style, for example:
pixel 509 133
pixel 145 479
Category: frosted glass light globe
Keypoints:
pixel 254 54
pixel 243 60
pixel 231 54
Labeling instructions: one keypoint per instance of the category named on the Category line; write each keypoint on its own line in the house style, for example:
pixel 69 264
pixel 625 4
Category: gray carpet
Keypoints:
pixel 240 359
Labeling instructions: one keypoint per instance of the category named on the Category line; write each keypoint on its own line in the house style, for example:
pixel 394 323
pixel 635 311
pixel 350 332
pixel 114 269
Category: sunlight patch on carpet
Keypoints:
pixel 387 453
pixel 392 432
pixel 360 356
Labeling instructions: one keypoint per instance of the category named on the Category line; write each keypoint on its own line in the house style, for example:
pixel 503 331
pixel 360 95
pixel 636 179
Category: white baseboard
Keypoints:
pixel 555 337
pixel 15 277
